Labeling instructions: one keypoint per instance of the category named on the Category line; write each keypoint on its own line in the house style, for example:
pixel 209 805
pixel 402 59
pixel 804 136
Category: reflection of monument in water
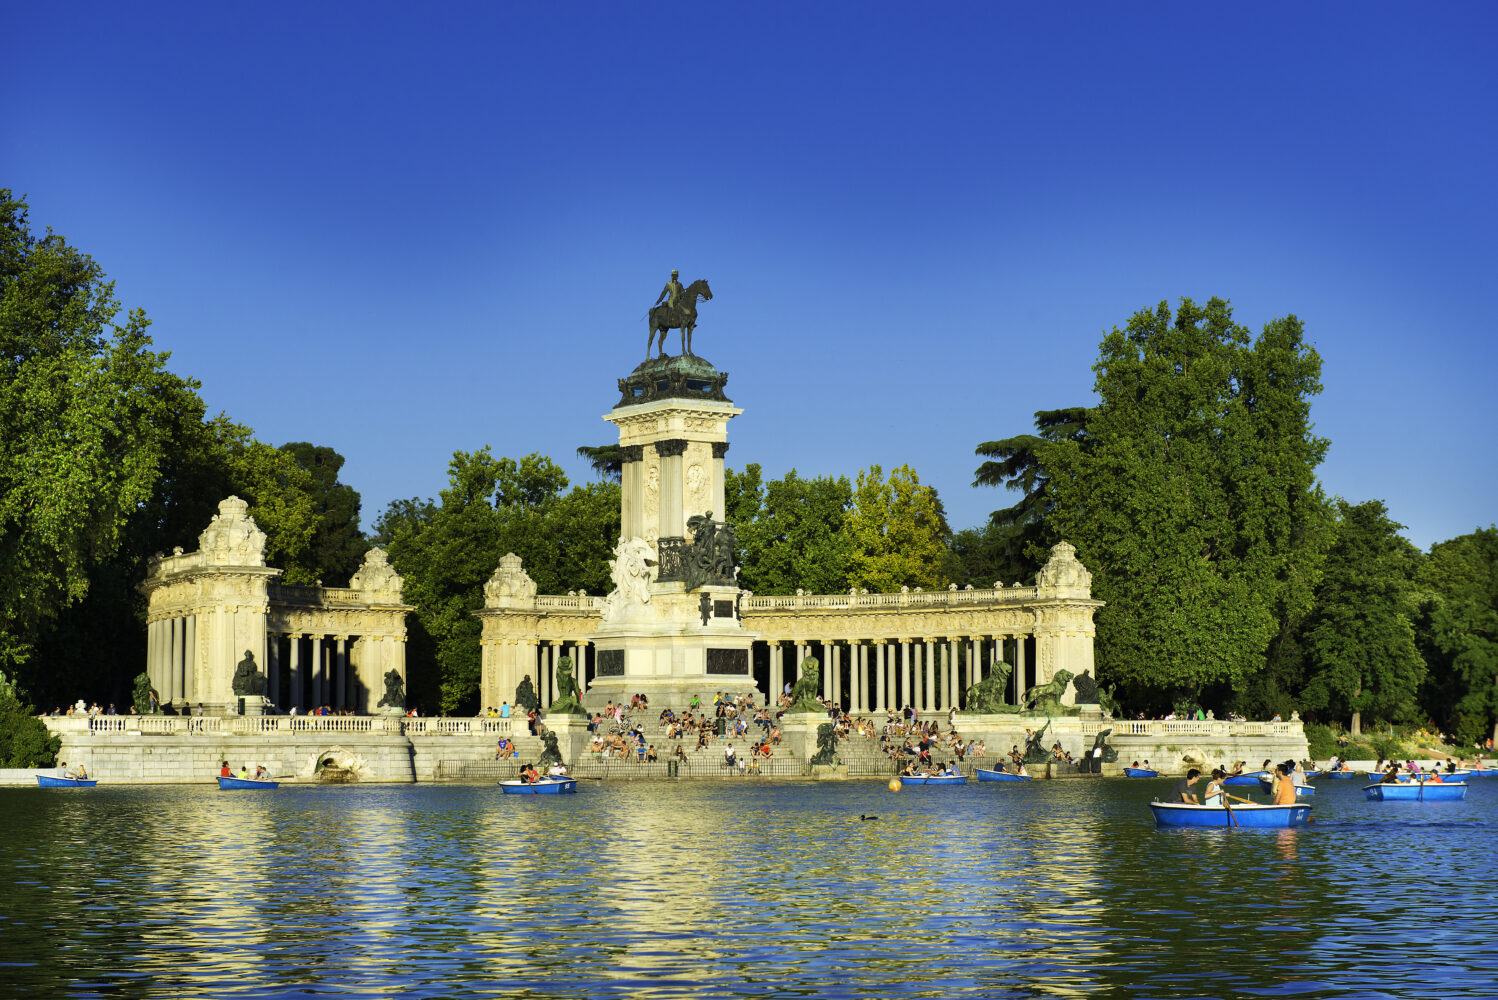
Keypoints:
pixel 676 624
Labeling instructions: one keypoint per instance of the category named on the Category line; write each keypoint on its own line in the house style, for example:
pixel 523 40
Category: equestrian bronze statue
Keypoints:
pixel 679 311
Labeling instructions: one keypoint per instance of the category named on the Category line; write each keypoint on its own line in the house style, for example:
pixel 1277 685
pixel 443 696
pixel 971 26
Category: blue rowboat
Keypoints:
pixel 1140 772
pixel 240 784
pixel 1250 817
pixel 1245 779
pixel 1483 772
pixel 1339 775
pixel 986 775
pixel 50 781
pixel 944 779
pixel 1416 791
pixel 546 786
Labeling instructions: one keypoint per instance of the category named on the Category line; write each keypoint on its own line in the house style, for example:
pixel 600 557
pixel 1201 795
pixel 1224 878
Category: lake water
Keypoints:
pixel 736 889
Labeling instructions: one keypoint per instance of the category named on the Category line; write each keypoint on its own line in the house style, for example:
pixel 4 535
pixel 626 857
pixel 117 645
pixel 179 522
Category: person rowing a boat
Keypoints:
pixel 1182 791
pixel 1216 793
pixel 1284 789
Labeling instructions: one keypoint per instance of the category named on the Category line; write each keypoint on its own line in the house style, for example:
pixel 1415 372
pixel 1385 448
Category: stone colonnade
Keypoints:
pixel 211 611
pixel 924 673
pixel 878 652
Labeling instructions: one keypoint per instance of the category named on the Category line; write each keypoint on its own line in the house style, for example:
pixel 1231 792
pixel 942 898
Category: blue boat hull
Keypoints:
pixel 1486 772
pixel 1408 791
pixel 48 781
pixel 244 784
pixel 1242 779
pixel 1339 775
pixel 950 779
pixel 1140 772
pixel 562 786
pixel 1249 817
pixel 986 775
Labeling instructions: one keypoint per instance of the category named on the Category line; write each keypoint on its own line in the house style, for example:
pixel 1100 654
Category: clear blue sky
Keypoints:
pixel 402 230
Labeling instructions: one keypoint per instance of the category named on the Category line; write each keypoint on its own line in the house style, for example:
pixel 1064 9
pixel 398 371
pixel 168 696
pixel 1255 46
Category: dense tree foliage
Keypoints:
pixel 338 545
pixel 1018 539
pixel 896 532
pixel 1194 501
pixel 1358 642
pixel 1458 626
pixel 447 550
pixel 790 531
pixel 25 740
pixel 84 404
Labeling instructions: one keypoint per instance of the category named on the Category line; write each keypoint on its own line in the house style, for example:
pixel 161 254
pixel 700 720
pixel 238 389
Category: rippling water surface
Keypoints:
pixel 736 889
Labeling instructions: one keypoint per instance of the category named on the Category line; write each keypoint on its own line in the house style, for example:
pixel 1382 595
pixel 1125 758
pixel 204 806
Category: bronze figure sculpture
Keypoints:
pixel 679 312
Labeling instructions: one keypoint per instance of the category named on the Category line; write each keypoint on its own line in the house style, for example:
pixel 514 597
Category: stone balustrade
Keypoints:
pixel 986 597
pixel 179 725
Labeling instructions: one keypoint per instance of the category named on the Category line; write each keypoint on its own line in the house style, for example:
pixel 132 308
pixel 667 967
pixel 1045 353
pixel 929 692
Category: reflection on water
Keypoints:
pixel 735 889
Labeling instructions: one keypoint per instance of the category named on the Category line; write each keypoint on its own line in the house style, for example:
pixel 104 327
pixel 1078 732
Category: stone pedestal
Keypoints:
pixel 798 732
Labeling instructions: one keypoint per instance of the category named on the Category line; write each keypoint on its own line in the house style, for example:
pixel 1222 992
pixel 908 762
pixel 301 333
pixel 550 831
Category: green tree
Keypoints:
pixel 789 531
pixel 896 533
pixel 25 741
pixel 607 460
pixel 1359 643
pixel 1018 539
pixel 1194 503
pixel 83 408
pixel 338 545
pixel 447 550
pixel 1458 628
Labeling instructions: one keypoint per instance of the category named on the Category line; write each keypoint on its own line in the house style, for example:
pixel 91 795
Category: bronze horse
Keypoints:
pixel 683 317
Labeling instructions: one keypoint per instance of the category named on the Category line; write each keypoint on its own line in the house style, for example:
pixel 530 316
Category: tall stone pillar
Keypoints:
pixel 672 521
pixel 777 671
pixel 317 672
pixel 906 685
pixel 881 679
pixel 341 700
pixel 176 680
pixel 855 695
pixel 974 660
pixel 273 669
pixel 632 489
pixel 863 677
pixel 190 652
pixel 296 672
pixel 1021 685
pixel 931 675
pixel 953 697
pixel 720 504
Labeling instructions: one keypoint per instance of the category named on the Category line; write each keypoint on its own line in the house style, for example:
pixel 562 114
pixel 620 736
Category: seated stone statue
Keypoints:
pixel 395 691
pixel 808 687
pixel 987 696
pixel 1086 688
pixel 1047 697
pixel 248 681
pixel 525 693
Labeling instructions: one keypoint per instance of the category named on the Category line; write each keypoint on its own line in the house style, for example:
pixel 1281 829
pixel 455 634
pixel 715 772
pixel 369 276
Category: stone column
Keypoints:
pixel 720 505
pixel 953 691
pixel 800 658
pixel 177 661
pixel 834 680
pixel 904 697
pixel 931 692
pixel 881 680
pixel 317 672
pixel 632 483
pixel 974 660
pixel 580 664
pixel 853 693
pixel 295 669
pixel 190 652
pixel 556 656
pixel 273 669
pixel 672 523
pixel 777 669
pixel 863 677
pixel 342 666
pixel 1020 687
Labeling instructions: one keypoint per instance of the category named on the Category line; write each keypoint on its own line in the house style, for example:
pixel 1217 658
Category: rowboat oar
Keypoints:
pixel 1232 820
